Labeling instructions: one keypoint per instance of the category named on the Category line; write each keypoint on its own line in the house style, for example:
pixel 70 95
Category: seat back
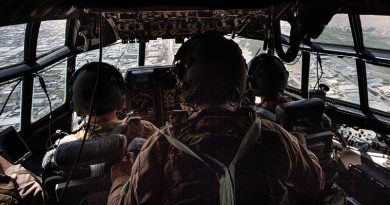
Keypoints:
pixel 302 115
pixel 307 117
pixel 90 178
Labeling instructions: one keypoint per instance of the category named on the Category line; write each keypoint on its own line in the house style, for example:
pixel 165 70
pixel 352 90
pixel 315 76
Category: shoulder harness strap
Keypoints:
pixel 227 178
pixel 266 113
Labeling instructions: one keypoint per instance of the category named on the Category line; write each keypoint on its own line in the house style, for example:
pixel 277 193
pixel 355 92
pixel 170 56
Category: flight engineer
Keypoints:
pixel 219 154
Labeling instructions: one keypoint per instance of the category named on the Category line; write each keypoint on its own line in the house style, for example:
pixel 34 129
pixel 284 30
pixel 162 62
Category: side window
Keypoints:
pixel 338 32
pixel 249 47
pixel 89 56
pixel 122 56
pixel 51 36
pixel 295 70
pixel 54 78
pixel 339 74
pixel 376 31
pixel 285 28
pixel 160 51
pixel 12 44
pixel 11 113
pixel 378 87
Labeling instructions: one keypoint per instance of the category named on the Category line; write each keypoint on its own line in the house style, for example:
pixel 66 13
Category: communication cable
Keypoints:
pixel 90 111
pixel 9 95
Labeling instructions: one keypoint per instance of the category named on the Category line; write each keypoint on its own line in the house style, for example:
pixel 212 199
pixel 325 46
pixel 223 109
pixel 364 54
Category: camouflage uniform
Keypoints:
pixel 164 175
pixel 131 127
pixel 28 187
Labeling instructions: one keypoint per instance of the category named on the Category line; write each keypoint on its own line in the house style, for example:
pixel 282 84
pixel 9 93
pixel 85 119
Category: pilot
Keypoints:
pixel 268 78
pixel 219 154
pixel 109 97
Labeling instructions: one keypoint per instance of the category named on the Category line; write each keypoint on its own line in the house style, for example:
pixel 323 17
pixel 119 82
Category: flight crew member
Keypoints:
pixel 219 154
pixel 268 78
pixel 109 97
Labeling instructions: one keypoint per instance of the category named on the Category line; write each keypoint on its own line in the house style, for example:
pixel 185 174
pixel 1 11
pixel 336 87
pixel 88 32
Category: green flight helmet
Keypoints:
pixel 109 94
pixel 210 69
pixel 267 75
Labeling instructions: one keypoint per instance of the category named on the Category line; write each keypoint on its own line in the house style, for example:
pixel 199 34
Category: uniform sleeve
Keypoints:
pixel 49 154
pixel 29 189
pixel 147 176
pixel 298 166
pixel 143 129
pixel 306 175
pixel 119 191
pixel 146 181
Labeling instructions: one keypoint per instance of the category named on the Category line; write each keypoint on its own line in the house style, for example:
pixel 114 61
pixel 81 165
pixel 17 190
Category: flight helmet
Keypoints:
pixel 210 68
pixel 109 94
pixel 267 75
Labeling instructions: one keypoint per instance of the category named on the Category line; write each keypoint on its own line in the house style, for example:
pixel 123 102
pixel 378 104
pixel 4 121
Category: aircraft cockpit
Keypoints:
pixel 336 52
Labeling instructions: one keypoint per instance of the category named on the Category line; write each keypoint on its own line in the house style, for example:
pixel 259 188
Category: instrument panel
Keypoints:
pixel 148 25
pixel 144 105
pixel 367 141
pixel 364 165
pixel 151 93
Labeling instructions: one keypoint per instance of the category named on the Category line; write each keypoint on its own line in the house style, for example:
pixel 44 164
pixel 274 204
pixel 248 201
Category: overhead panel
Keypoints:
pixel 148 25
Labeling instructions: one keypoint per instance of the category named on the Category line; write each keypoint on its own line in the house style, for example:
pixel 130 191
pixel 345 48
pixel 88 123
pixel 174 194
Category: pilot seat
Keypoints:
pixel 90 181
pixel 307 117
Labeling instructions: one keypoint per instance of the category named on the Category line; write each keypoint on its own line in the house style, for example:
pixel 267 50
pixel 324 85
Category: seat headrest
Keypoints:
pixel 305 114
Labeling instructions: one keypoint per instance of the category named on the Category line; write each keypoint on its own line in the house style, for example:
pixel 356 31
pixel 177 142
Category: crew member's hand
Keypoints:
pixel 122 168
pixel 140 128
pixel 5 164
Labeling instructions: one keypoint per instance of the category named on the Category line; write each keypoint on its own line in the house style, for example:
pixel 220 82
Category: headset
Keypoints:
pixel 183 61
pixel 180 66
pixel 105 69
pixel 267 64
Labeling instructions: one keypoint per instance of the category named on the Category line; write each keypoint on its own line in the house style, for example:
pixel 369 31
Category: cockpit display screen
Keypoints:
pixel 13 147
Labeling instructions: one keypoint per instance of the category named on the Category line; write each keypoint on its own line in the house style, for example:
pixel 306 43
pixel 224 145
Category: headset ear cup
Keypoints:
pixel 180 69
pixel 236 94
pixel 70 99
pixel 121 84
pixel 70 91
pixel 250 80
pixel 185 86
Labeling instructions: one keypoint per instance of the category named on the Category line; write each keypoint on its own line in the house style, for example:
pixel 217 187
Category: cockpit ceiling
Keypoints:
pixel 148 25
pixel 23 11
